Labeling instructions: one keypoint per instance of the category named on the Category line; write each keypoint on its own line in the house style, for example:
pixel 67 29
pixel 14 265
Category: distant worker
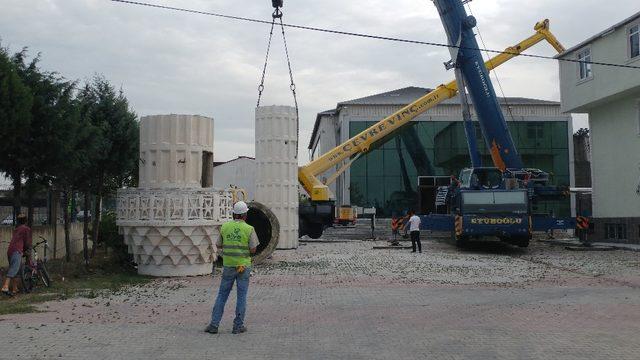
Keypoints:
pixel 237 242
pixel 395 226
pixel 414 231
pixel 19 245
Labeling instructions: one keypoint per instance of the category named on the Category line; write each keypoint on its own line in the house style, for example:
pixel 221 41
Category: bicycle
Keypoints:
pixel 35 271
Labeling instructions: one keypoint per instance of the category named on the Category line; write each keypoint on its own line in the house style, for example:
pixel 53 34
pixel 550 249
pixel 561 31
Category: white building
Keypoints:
pixel 611 97
pixel 239 172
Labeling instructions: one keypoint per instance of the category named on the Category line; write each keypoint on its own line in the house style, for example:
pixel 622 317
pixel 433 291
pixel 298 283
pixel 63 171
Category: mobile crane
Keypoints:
pixel 318 213
pixel 488 201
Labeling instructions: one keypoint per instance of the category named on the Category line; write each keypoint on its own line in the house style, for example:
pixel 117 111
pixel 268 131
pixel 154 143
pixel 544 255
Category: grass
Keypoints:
pixel 104 276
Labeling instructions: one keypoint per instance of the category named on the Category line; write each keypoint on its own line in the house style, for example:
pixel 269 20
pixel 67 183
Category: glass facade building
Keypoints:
pixel 387 177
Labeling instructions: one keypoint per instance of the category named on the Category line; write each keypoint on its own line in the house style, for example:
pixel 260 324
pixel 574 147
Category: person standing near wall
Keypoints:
pixel 238 240
pixel 20 243
pixel 414 231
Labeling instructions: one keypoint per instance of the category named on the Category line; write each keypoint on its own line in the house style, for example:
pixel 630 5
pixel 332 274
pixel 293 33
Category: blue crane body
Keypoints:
pixel 488 201
pixel 459 29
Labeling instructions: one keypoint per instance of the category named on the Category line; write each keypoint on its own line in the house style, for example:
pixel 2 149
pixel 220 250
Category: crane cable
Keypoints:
pixel 369 36
pixel 277 14
pixel 266 60
pixel 495 73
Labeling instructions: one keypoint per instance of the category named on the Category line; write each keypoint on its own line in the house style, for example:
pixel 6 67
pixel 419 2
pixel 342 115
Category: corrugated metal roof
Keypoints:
pixel 599 35
pixel 409 94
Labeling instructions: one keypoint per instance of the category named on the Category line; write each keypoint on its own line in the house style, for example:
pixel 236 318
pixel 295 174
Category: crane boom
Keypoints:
pixel 362 142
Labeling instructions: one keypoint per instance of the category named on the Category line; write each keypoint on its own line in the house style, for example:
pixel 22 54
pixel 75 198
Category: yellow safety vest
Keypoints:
pixel 235 243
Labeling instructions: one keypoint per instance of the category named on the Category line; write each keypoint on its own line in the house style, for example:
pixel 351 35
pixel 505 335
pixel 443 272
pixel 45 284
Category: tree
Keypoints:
pixel 115 160
pixel 15 121
pixel 89 142
pixel 50 124
pixel 49 157
pixel 68 158
pixel 56 136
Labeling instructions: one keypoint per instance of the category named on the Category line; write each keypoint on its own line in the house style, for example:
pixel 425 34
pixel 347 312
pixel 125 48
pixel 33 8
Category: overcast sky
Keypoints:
pixel 170 62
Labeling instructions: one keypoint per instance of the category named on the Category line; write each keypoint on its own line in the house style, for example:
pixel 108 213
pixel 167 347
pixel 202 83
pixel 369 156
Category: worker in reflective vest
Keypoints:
pixel 237 242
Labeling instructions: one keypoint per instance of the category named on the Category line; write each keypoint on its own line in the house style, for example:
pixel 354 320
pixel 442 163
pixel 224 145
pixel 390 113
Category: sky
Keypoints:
pixel 171 62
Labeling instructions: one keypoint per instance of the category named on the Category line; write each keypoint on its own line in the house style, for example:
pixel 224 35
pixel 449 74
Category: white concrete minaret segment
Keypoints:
pixel 170 222
pixel 277 168
pixel 171 150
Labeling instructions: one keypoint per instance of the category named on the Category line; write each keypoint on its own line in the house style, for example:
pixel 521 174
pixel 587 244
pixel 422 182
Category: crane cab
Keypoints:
pixel 481 178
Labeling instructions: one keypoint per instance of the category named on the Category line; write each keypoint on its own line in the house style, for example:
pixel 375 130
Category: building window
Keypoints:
pixel 535 130
pixel 584 66
pixel 439 148
pixel 615 231
pixel 634 41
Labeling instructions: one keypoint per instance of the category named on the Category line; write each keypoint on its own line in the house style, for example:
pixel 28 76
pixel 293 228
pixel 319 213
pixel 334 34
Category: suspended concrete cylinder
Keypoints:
pixel 277 168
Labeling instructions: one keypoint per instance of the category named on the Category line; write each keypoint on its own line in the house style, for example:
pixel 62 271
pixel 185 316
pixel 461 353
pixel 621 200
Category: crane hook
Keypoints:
pixel 277 4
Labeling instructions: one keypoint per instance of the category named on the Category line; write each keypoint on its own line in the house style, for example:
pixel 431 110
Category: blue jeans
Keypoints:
pixel 229 275
pixel 14 264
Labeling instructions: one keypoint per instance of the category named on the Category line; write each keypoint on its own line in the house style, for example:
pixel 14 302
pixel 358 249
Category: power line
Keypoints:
pixel 368 36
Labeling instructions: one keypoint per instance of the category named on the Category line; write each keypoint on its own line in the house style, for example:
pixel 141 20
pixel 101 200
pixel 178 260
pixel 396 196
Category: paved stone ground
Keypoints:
pixel 345 300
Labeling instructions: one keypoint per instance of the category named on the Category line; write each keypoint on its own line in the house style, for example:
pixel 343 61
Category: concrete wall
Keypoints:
pixel 240 172
pixel 47 233
pixel 578 96
pixel 611 97
pixel 615 152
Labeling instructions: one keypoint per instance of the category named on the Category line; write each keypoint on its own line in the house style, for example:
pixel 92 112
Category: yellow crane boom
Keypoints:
pixel 362 142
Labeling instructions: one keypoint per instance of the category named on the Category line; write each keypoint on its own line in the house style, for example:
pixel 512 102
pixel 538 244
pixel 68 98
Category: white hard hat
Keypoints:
pixel 240 208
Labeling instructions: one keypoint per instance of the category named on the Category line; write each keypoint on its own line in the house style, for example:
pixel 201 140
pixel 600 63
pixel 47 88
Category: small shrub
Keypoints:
pixel 109 234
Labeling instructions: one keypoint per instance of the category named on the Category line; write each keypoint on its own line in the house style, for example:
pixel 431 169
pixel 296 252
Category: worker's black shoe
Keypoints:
pixel 211 329
pixel 239 330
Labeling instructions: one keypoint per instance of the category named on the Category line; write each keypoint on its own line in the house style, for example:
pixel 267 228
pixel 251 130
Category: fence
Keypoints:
pixel 47 233
pixel 40 214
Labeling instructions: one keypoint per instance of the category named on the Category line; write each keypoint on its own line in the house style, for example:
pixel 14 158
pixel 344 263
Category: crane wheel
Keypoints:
pixel 315 231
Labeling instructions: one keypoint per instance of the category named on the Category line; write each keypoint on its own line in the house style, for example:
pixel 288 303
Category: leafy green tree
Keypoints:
pixel 55 150
pixel 115 160
pixel 15 122
pixel 52 104
pixel 69 160
pixel 88 145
